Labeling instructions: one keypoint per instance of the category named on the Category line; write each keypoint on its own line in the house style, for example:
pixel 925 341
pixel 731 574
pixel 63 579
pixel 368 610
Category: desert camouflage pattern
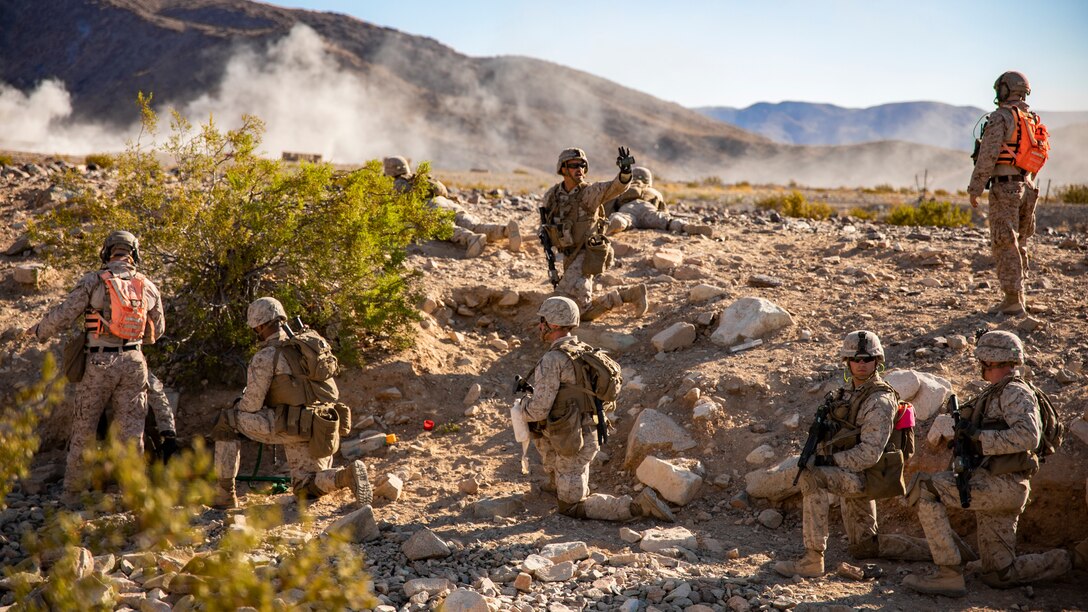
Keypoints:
pixel 1000 346
pixel 159 404
pixel 559 310
pixel 845 479
pixel 996 500
pixel 1000 128
pixel 851 342
pixel 464 220
pixel 640 214
pixel 583 204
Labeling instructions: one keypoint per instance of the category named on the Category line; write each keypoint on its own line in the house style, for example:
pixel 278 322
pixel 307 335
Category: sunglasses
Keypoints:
pixel 862 359
pixel 573 165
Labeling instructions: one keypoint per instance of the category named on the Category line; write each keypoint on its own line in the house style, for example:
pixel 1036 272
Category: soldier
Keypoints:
pixel 273 410
pixel 574 213
pixel 1012 189
pixel 643 207
pixel 122 310
pixel 567 465
pixel 467 230
pixel 163 418
pixel 860 460
pixel 1004 429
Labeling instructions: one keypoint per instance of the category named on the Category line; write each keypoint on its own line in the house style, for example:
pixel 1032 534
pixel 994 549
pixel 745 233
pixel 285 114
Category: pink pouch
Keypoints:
pixel 904 416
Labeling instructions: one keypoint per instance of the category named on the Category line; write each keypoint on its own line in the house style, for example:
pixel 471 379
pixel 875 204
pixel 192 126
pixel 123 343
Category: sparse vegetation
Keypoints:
pixel 941 193
pixel 446 429
pixel 794 204
pixel 1075 194
pixel 930 213
pixel 865 214
pixel 18 441
pixel 230 226
pixel 6 160
pixel 102 160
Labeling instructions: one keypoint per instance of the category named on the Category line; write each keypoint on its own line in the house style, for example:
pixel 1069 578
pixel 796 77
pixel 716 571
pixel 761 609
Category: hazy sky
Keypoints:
pixel 853 53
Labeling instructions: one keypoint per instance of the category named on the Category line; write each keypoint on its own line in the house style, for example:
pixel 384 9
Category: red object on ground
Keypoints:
pixel 428 425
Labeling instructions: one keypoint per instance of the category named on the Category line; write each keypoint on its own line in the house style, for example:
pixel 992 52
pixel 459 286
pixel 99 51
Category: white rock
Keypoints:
pixel 667 259
pixel 774 483
pixel 28 273
pixel 391 489
pixel 749 318
pixel 940 431
pixel 1079 427
pixel 556 573
pixel 473 394
pixel 464 600
pixel 657 539
pixel 705 408
pixel 499 344
pixel 676 484
pixel 676 336
pixel 425 544
pixel 565 551
pixel 704 292
pixel 654 431
pixel 927 392
pixel 534 563
pixel 629 535
pixel 760 454
pixel 509 298
pixel 431 586
pixel 360 525
pixel 770 518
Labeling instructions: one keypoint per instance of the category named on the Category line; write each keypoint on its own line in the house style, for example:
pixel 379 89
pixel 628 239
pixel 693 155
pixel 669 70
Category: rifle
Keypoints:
pixel 601 420
pixel 546 241
pixel 816 432
pixel 962 458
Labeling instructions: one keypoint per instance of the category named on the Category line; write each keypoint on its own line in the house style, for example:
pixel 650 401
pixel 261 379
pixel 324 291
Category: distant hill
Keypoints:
pixel 350 90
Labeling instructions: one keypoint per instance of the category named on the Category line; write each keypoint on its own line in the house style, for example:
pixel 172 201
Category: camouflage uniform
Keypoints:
pixel 1011 426
pixel 312 475
pixel 159 404
pixel 116 372
pixel 643 207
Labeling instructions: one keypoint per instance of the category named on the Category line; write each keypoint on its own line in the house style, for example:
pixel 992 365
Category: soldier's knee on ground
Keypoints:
pixel 226 426
pixel 307 488
pixel 575 510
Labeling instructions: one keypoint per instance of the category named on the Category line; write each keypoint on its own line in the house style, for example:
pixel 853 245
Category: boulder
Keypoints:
pixel 927 392
pixel 706 408
pixel 565 551
pixel 425 544
pixel 760 454
pixel 614 342
pixel 359 526
pixel 774 483
pixel 654 431
pixel 770 518
pixel 676 336
pixel 657 539
pixel 464 600
pixel 667 259
pixel 702 293
pixel 472 394
pixel 391 489
pixel 491 507
pixel 749 318
pixel 28 273
pixel 674 483
pixel 557 572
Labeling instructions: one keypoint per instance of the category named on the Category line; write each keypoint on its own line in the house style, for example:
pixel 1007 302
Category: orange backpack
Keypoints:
pixel 128 307
pixel 1030 146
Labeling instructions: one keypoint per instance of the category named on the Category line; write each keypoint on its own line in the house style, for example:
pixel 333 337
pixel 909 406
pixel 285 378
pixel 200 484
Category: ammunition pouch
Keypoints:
pixel 325 436
pixel 74 358
pixel 599 255
pixel 564 425
pixel 295 421
pixel 885 478
pixel 1023 462
pixel 560 235
pixel 344 412
pixel 226 426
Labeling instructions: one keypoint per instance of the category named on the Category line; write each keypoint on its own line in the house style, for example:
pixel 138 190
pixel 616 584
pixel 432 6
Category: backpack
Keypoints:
pixel 595 372
pixel 311 359
pixel 1052 429
pixel 128 307
pixel 1032 143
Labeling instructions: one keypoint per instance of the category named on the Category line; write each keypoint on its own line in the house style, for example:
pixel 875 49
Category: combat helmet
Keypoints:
pixel 568 154
pixel 1000 347
pixel 396 166
pixel 642 175
pixel 263 310
pixel 120 238
pixel 1011 83
pixel 560 311
pixel 862 343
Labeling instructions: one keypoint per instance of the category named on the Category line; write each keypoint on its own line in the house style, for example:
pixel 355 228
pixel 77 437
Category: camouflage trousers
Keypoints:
pixel 575 284
pixel 818 484
pixel 158 404
pixel 1012 223
pixel 115 379
pixel 572 479
pixel 310 475
pixel 997 502
pixel 494 232
pixel 641 215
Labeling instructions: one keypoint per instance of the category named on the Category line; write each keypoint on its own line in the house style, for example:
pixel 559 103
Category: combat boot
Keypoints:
pixel 947 581
pixel 616 224
pixel 636 295
pixel 513 235
pixel 354 477
pixel 649 504
pixel 476 245
pixel 1013 303
pixel 697 229
pixel 809 566
pixel 601 305
pixel 226 496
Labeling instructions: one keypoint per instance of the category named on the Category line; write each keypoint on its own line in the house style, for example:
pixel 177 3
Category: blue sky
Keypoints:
pixel 704 53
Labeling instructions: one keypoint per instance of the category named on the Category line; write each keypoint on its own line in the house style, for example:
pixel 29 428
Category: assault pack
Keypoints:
pixel 596 372
pixel 1030 147
pixel 312 361
pixel 1052 429
pixel 128 307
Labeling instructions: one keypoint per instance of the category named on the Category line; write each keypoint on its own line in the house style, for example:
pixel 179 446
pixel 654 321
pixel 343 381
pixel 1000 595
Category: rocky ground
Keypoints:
pixel 455 511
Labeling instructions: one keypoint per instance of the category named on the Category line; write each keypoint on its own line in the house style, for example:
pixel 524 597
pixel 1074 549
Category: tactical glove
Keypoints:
pixel 625 161
pixel 169 445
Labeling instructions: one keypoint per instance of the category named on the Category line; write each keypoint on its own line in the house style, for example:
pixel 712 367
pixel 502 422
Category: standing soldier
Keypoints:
pixel 860 460
pixel 467 229
pixel 643 207
pixel 278 406
pixel 572 214
pixel 1005 149
pixel 122 310
pixel 1003 428
pixel 566 449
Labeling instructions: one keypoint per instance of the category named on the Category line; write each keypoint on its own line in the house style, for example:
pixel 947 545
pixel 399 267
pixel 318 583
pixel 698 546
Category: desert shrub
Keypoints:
pixel 882 188
pixel 6 160
pixel 1075 194
pixel 941 193
pixel 225 226
pixel 102 160
pixel 713 181
pixel 930 213
pixel 794 204
pixel 864 214
pixel 20 414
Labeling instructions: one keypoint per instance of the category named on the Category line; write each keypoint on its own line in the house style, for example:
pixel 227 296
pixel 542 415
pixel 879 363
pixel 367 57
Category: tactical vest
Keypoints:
pixel 295 389
pixel 304 407
pixel 885 477
pixel 570 224
pixel 974 410
pixel 573 402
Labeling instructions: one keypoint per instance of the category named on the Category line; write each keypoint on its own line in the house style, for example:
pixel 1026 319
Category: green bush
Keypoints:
pixel 19 421
pixel 6 160
pixel 930 213
pixel 864 214
pixel 882 188
pixel 225 226
pixel 102 160
pixel 794 204
pixel 1075 194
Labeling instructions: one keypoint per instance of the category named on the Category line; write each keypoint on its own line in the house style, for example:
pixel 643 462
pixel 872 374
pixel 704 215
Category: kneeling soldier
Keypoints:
pixel 278 406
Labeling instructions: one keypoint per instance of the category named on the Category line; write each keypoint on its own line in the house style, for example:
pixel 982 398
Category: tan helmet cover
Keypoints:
pixel 861 343
pixel 642 175
pixel 569 154
pixel 1000 347
pixel 560 311
pixel 395 166
pixel 263 310
pixel 120 238
pixel 1014 83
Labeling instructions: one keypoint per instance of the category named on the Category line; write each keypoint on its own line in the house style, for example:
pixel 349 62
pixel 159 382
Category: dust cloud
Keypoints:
pixel 38 122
